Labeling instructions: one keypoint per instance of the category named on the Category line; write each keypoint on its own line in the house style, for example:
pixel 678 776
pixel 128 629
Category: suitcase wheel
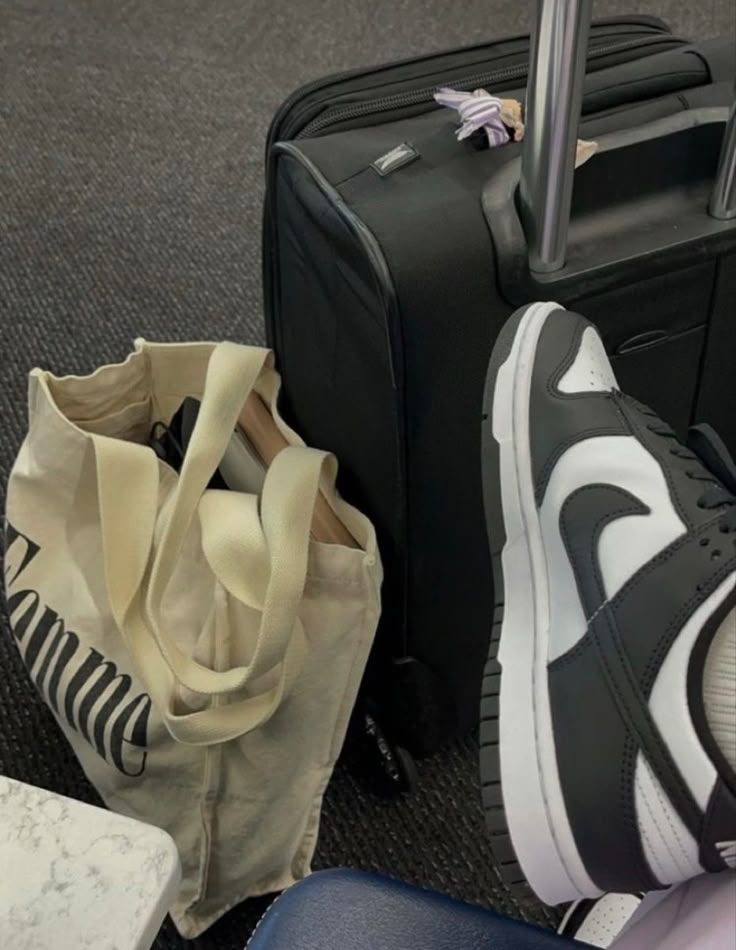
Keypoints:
pixel 380 765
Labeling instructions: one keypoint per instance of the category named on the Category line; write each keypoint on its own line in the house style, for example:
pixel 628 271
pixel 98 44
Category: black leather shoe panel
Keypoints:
pixel 685 492
pixel 596 757
pixel 652 608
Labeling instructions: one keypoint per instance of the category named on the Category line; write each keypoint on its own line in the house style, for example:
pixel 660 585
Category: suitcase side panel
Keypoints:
pixel 340 360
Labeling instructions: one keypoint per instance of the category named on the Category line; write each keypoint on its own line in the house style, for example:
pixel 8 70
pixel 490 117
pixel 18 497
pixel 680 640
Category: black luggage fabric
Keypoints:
pixel 385 292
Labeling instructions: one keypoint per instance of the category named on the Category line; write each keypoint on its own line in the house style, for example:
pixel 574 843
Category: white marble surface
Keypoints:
pixel 76 876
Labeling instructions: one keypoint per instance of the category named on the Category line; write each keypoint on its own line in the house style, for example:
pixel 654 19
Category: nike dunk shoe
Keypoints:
pixel 614 552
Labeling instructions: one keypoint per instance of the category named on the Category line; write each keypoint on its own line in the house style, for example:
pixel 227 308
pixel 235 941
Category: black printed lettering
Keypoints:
pixel 100 692
pixel 19 552
pixel 61 645
pixel 128 736
pixel 22 609
pixel 94 678
pixel 47 634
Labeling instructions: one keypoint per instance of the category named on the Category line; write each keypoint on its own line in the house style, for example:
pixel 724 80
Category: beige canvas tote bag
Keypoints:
pixel 201 649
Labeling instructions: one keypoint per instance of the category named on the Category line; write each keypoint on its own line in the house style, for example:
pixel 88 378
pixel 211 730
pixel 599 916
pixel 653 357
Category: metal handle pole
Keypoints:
pixel 554 97
pixel 723 199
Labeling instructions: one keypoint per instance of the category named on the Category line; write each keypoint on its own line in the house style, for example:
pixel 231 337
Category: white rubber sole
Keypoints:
pixel 532 796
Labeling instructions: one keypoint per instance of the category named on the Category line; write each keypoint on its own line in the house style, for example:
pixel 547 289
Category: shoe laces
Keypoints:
pixel 712 465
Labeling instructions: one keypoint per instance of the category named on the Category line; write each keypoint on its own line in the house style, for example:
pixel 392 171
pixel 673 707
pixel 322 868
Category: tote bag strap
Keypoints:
pixel 234 538
pixel 126 569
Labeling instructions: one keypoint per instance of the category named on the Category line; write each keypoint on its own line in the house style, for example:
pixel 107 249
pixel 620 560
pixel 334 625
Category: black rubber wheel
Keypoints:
pixel 380 765
pixel 408 767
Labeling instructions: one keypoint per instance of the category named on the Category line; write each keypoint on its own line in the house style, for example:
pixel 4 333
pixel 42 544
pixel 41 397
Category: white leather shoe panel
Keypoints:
pixel 591 370
pixel 670 850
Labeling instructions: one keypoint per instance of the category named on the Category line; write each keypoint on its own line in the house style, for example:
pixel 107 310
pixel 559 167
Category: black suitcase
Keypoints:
pixel 387 280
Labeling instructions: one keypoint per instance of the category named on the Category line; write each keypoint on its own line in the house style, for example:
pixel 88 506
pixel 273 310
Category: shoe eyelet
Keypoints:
pixel 704 542
pixel 724 529
pixel 715 555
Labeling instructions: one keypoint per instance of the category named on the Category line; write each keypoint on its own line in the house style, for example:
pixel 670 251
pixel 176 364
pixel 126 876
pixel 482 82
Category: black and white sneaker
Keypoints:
pixel 614 551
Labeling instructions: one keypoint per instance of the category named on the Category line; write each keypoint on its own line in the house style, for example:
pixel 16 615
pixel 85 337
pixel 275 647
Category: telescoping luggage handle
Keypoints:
pixel 554 99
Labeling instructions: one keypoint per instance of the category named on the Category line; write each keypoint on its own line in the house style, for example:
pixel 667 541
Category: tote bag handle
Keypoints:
pixel 247 552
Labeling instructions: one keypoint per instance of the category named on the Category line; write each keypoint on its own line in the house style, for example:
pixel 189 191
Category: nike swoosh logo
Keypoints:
pixel 613 489
pixel 583 517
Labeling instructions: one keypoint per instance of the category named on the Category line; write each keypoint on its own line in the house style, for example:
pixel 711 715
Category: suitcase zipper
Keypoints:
pixel 285 123
pixel 418 96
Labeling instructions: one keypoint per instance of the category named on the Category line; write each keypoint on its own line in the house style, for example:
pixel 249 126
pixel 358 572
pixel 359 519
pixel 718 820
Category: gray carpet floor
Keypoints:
pixel 131 140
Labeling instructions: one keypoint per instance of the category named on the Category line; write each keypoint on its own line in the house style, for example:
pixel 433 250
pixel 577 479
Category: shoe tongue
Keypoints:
pixel 712 452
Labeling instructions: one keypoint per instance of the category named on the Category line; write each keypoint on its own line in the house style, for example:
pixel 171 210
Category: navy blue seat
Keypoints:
pixel 353 910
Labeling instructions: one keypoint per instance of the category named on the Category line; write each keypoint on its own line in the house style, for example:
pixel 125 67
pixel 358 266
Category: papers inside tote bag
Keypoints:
pixel 199 648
